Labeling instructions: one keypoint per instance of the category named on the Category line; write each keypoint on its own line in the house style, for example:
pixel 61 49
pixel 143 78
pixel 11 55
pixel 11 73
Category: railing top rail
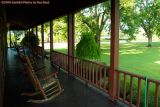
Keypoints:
pixel 60 53
pixel 100 64
pixel 93 62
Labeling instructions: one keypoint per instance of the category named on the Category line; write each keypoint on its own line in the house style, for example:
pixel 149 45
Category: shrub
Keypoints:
pixel 87 47
pixel 30 39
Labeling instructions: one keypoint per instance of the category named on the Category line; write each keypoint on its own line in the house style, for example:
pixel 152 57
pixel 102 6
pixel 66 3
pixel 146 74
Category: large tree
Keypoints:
pixel 148 14
pixel 95 18
pixel 140 14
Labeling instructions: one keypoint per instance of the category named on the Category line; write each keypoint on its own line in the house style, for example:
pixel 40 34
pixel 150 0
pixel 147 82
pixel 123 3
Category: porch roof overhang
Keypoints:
pixel 21 17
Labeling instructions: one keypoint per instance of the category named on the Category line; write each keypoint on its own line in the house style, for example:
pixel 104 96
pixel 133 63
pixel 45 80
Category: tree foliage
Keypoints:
pixel 128 20
pixel 134 15
pixel 140 14
pixel 60 29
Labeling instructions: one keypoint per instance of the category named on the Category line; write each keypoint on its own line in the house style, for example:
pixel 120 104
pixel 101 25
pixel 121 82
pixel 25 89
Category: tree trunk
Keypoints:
pixel 148 33
pixel 97 38
pixel 149 40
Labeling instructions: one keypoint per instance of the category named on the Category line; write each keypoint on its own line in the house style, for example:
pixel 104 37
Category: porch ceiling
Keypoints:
pixel 26 16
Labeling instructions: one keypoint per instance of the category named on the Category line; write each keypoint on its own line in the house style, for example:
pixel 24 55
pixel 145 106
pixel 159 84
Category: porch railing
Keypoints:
pixel 130 86
pixel 37 50
pixel 91 72
pixel 59 59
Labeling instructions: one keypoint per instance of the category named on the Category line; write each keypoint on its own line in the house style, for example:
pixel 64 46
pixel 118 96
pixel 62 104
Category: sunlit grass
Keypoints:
pixel 137 58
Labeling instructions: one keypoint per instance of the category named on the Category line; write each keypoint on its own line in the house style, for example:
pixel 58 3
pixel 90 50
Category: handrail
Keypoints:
pixel 81 59
pixel 138 76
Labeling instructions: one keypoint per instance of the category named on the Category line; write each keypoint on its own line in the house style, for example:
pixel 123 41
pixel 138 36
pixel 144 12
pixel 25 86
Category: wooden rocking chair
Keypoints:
pixel 20 49
pixel 46 86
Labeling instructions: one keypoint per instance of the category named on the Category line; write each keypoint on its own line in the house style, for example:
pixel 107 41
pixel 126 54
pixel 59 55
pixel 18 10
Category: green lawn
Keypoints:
pixel 135 58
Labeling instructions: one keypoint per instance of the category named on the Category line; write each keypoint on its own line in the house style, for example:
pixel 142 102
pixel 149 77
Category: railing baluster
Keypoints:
pixel 90 69
pixel 58 60
pixel 118 85
pixel 139 92
pixel 156 96
pixel 87 70
pixel 76 73
pixel 92 73
pixel 124 90
pixel 104 75
pixel 75 64
pixel 96 74
pixel 83 66
pixel 72 64
pixel 131 91
pixel 64 58
pixel 100 77
pixel 64 62
pixel 81 71
pixel 77 67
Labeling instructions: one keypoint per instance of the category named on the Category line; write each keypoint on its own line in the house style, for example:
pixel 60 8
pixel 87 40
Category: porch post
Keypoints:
pixel 32 29
pixel 36 31
pixel 42 37
pixel 70 40
pixel 3 52
pixel 114 48
pixel 10 40
pixel 51 37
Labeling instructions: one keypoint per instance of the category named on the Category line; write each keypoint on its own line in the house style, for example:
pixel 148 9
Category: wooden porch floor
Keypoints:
pixel 76 94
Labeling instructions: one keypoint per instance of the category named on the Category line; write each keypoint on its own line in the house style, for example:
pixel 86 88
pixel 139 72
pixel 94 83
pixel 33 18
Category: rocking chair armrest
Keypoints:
pixel 39 69
pixel 54 74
